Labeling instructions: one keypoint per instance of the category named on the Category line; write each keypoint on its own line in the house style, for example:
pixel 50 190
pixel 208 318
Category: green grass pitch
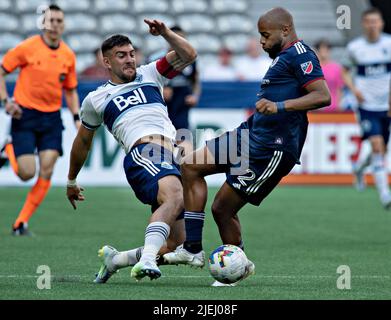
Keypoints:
pixel 297 239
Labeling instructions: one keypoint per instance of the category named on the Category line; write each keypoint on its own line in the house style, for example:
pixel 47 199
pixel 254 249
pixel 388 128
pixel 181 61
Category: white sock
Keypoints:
pixel 156 235
pixel 380 175
pixel 362 163
pixel 127 258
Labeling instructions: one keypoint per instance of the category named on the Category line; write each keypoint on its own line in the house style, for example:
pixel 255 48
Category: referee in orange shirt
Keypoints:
pixel 47 67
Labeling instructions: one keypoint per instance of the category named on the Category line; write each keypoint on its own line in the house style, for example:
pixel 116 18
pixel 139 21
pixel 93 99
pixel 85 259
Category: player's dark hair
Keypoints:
pixel 117 40
pixel 54 7
pixel 372 10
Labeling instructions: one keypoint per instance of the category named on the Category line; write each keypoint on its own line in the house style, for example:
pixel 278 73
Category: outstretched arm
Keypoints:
pixel 183 52
pixel 80 149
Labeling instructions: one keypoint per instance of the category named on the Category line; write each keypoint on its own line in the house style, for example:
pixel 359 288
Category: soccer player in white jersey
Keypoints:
pixel 132 108
pixel 370 55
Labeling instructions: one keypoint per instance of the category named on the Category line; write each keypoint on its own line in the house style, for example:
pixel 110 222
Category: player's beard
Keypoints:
pixel 274 50
pixel 125 78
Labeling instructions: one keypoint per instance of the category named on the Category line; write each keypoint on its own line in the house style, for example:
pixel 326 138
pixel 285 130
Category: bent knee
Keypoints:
pixel 177 199
pixel 26 173
pixel 217 210
pixel 188 169
pixel 46 173
pixel 172 195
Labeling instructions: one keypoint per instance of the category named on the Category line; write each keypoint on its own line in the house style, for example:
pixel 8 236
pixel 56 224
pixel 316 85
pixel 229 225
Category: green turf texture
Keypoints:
pixel 297 239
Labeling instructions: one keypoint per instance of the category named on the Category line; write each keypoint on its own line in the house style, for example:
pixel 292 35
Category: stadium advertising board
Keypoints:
pixel 332 143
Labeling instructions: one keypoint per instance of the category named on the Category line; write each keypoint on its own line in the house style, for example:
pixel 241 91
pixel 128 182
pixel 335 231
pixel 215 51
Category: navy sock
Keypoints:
pixel 241 245
pixel 194 223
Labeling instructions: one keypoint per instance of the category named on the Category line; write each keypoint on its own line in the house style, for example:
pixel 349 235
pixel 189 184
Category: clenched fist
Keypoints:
pixel 266 107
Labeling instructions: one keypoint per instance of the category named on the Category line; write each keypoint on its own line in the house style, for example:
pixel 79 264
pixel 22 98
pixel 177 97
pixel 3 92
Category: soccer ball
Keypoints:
pixel 227 264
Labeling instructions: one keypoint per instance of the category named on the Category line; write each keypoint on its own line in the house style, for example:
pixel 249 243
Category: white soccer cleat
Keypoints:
pixel 107 268
pixel 182 256
pixel 219 284
pixel 145 268
pixel 250 270
pixel 359 179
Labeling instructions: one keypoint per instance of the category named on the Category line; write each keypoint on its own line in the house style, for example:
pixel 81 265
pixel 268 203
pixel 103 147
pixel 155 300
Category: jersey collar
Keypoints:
pixel 112 83
pixel 287 46
pixel 51 48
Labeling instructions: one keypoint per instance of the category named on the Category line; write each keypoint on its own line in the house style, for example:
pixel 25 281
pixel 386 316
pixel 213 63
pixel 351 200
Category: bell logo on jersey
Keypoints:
pixel 137 97
pixel 307 67
pixel 376 69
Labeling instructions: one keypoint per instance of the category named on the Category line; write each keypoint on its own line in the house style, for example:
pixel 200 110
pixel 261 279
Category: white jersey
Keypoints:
pixel 373 70
pixel 132 110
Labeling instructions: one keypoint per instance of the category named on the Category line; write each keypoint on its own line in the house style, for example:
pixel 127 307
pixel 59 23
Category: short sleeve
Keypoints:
pixel 14 58
pixel 307 68
pixel 165 69
pixel 70 81
pixel 151 72
pixel 88 116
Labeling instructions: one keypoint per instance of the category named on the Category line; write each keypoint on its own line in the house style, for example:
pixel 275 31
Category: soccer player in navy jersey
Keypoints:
pixel 268 144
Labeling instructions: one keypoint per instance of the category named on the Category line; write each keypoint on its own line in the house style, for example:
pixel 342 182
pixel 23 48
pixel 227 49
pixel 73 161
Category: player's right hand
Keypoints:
pixel 266 107
pixel 75 194
pixel 13 109
pixel 156 27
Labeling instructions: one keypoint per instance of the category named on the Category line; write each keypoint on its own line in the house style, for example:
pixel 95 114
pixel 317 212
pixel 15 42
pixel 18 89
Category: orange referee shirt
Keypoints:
pixel 44 73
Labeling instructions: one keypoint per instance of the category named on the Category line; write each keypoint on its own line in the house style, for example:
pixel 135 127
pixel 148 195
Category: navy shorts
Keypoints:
pixel 144 166
pixel 252 176
pixel 374 123
pixel 37 130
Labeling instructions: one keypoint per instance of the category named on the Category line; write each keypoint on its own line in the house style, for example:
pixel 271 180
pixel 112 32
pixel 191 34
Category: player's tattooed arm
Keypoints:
pixel 183 52
pixel 80 149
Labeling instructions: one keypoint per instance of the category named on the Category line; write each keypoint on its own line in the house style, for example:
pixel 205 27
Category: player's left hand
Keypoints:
pixel 75 194
pixel 156 27
pixel 266 107
pixel 191 100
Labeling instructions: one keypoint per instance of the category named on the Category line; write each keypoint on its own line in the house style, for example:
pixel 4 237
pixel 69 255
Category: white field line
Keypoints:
pixel 59 277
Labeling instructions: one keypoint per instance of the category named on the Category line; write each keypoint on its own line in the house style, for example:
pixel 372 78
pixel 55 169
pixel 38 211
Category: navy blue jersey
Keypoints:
pixel 182 86
pixel 293 69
